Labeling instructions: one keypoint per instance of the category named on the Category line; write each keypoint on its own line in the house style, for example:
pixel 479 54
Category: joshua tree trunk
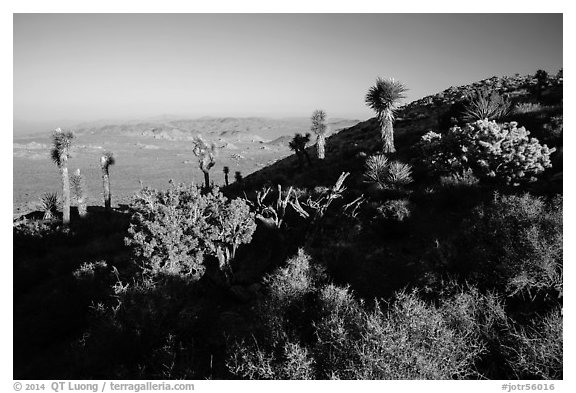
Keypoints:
pixel 321 145
pixel 226 179
pixel 65 193
pixel 300 160
pixel 107 195
pixel 387 134
pixel 307 157
pixel 80 192
pixel 207 180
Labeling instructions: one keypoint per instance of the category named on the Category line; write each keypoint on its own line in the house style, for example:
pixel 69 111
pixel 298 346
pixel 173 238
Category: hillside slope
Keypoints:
pixel 347 149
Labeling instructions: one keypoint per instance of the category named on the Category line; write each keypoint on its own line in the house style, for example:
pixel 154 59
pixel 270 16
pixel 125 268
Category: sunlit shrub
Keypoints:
pixel 173 231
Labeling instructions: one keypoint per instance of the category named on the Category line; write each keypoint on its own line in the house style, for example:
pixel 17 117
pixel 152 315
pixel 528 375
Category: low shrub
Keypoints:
pixel 283 321
pixel 513 244
pixel 527 107
pixel 456 190
pixel 553 130
pixel 173 231
pixel 459 180
pixel 537 351
pixel 414 340
pixel 318 330
pixel 396 210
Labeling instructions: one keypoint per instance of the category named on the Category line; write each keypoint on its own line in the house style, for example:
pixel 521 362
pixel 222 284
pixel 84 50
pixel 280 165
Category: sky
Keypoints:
pixel 85 67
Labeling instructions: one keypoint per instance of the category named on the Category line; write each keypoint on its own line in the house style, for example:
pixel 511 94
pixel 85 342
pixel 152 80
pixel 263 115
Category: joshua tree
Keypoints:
pixel 383 98
pixel 542 82
pixel 60 153
pixel 319 128
pixel 206 154
pixel 238 177
pixel 105 161
pixel 226 171
pixel 79 187
pixel 298 144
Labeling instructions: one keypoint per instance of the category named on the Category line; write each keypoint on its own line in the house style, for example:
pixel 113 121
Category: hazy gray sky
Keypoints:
pixel 94 66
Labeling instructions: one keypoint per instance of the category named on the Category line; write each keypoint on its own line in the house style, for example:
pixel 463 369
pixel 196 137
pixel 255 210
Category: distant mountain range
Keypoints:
pixel 237 129
pixel 167 127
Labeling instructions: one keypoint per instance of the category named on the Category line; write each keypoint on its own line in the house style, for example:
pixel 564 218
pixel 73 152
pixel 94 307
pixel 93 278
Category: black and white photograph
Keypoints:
pixel 287 196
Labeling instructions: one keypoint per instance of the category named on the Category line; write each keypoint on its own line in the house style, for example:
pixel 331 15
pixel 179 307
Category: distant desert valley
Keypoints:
pixel 151 151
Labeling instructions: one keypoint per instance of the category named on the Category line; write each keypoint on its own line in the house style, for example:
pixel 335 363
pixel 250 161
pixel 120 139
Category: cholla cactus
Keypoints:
pixel 206 153
pixel 502 153
pixel 105 161
pixel 507 153
pixel 79 189
pixel 60 153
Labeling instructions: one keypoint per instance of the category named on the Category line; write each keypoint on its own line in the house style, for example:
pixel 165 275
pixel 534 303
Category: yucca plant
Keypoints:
pixel 376 169
pixel 399 174
pixel 485 104
pixel 206 154
pixel 62 144
pixel 79 189
pixel 49 205
pixel 106 160
pixel 226 171
pixel 320 129
pixel 383 98
pixel 387 175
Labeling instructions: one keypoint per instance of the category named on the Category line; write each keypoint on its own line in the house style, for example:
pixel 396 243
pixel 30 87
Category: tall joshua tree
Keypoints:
pixel 383 98
pixel 206 153
pixel 226 171
pixel 106 160
pixel 62 143
pixel 298 144
pixel 319 128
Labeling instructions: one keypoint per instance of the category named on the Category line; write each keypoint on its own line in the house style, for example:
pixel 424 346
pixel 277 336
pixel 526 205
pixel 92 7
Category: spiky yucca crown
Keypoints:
pixel 383 97
pixel 62 143
pixel 318 118
pixel 49 201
